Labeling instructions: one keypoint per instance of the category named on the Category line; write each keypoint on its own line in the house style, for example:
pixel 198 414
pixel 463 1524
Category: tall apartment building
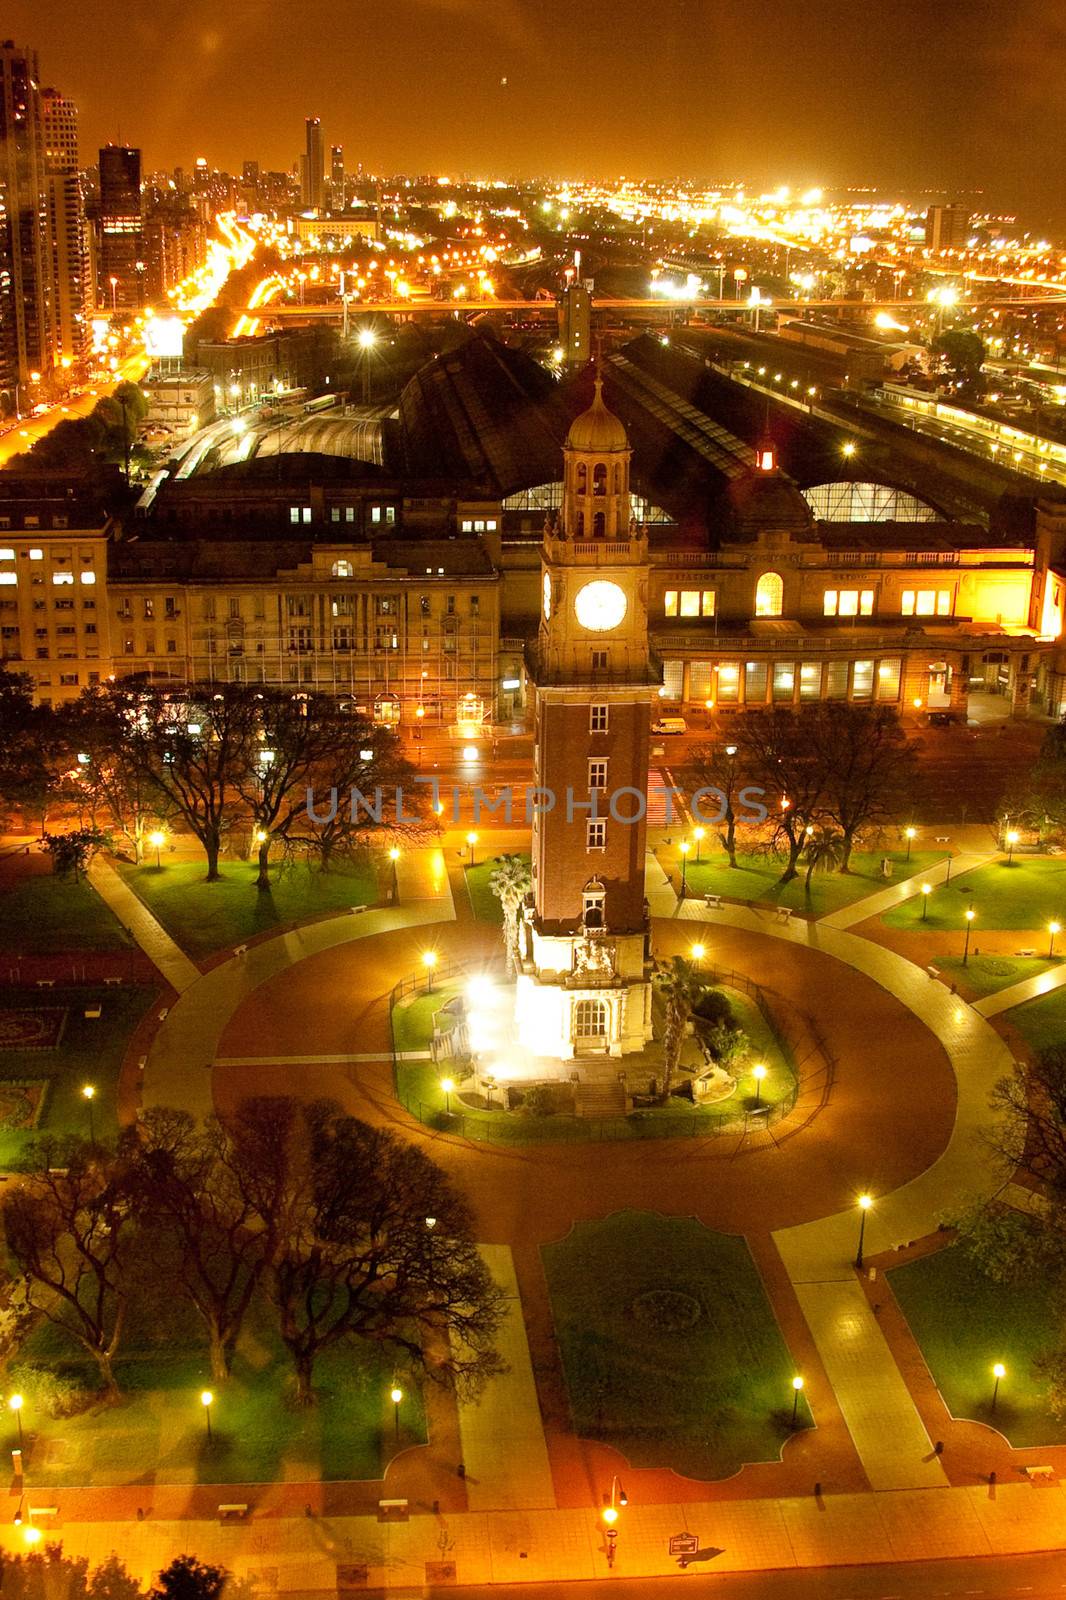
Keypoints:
pixel 312 169
pixel 947 227
pixel 336 177
pixel 175 244
pixel 26 292
pixel 122 269
pixel 72 283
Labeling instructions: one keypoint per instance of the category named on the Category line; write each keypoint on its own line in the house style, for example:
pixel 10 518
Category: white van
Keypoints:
pixel 670 725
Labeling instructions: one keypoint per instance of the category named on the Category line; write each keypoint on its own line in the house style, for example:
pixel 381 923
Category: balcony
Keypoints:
pixel 637 671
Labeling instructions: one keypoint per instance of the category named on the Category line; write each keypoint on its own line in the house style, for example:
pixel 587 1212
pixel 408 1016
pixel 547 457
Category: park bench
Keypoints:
pixel 934 972
pixel 784 914
pixel 112 983
pixel 241 950
pixel 234 1512
pixel 713 902
pixel 53 1511
pixel 392 1510
pixel 46 983
pixel 357 911
pixel 1039 1473
pixel 92 1013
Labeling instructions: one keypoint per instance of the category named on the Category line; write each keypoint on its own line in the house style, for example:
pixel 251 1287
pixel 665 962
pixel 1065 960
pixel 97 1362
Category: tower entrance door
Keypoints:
pixel 590 1027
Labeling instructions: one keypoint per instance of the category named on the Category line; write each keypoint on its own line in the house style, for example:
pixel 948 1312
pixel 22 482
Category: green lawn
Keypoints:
pixel 964 1325
pixel 485 905
pixel 1041 1023
pixel 412 1017
pixel 44 915
pixel 985 974
pixel 702 1398
pixel 90 1051
pixel 755 878
pixel 157 1434
pixel 204 917
pixel 1028 894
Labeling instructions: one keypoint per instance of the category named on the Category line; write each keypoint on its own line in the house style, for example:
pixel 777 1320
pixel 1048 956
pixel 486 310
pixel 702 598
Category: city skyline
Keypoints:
pixel 703 91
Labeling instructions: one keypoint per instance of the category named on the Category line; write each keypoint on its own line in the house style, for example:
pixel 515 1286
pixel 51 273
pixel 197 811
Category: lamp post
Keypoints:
pixel 684 847
pixel 471 840
pixel 396 1395
pixel 206 1399
pixel 697 834
pixel 998 1371
pixel 89 1095
pixel 908 834
pixel 697 953
pixel 1053 928
pixel 1012 839
pixel 16 1405
pixel 447 1084
pixel 865 1202
pixel 158 839
pixel 618 1497
pixel 758 1072
pixel 927 889
pixel 797 1390
pixel 394 856
pixel 367 340
pixel 429 961
pixel 970 914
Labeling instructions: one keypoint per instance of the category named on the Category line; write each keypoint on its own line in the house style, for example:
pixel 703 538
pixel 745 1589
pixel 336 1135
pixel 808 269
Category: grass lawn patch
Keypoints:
pixel 412 1017
pixel 1028 894
pixel 44 915
pixel 671 1350
pixel 1041 1023
pixel 965 1324
pixel 204 917
pixel 485 905
pixel 90 1050
pixel 157 1434
pixel 755 878
pixel 986 974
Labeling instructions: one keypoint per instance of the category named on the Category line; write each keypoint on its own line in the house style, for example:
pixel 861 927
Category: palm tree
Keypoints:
pixel 679 985
pixel 825 851
pixel 510 883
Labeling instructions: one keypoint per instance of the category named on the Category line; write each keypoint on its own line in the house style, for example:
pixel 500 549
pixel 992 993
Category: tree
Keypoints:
pixel 358 1256
pixel 111 779
pixel 824 852
pixel 718 767
pixel 71 1233
pixel 510 882
pixel 218 1192
pixel 963 351
pixel 866 765
pixel 30 748
pixel 1038 798
pixel 679 986
pixel 189 1579
pixel 71 853
pixel 778 754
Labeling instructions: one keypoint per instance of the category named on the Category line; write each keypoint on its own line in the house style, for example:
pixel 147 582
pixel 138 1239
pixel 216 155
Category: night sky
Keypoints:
pixel 908 94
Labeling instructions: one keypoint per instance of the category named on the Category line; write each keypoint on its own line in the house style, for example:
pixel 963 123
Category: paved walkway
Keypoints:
pixel 1016 994
pixel 882 900
pixel 154 940
pixel 658 889
pixel 422 875
pixel 504 1452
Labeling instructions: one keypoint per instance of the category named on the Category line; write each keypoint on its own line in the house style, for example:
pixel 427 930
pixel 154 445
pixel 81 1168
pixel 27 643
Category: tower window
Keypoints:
pixel 582 478
pixel 769 595
pixel 599 478
pixel 597 719
pixel 598 773
pixel 592 898
pixel 599 525
pixel 596 834
pixel 600 660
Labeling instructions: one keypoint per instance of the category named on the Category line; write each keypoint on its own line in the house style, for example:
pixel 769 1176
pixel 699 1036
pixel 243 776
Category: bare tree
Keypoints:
pixel 107 775
pixel 867 767
pixel 718 767
pixel 777 753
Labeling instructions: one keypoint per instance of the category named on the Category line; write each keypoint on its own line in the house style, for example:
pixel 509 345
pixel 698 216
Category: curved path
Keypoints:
pixel 311 1001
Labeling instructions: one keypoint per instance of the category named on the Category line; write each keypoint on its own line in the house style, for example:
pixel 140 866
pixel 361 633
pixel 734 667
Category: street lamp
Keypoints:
pixel 758 1072
pixel 697 953
pixel 157 839
pixel 367 340
pixel 16 1405
pixel 998 1371
pixel 394 856
pixel 1012 839
pixel 684 847
pixel 206 1399
pixel 797 1389
pixel 1053 928
pixel 471 840
pixel 865 1202
pixel 89 1095
pixel 396 1395
pixel 970 914
pixel 448 1085
pixel 429 961
pixel 927 889
pixel 908 834
pixel 697 834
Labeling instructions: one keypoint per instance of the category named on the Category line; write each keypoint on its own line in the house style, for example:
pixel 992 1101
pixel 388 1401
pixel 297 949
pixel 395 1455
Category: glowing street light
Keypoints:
pixel 698 835
pixel 865 1202
pixel 448 1085
pixel 697 953
pixel 797 1390
pixel 157 839
pixel 1012 839
pixel 927 889
pixel 970 914
pixel 89 1095
pixel 1053 928
pixel 684 847
pixel 471 840
pixel 758 1072
pixel 848 449
pixel 206 1400
pixel 16 1406
pixel 396 1395
pixel 909 835
pixel 998 1371
pixel 429 961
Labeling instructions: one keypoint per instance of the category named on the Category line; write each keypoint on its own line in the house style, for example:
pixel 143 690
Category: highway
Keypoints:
pixel 25 433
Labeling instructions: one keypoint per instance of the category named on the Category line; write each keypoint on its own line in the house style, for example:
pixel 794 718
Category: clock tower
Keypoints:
pixel 584 989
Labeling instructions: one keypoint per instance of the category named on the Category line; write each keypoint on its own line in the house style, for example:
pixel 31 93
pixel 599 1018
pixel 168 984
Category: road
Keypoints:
pixel 30 429
pixel 1036 1577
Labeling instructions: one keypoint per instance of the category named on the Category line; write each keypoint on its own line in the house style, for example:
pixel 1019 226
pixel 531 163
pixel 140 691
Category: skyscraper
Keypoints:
pixel 313 175
pixel 122 265
pixel 69 236
pixel 26 309
pixel 336 177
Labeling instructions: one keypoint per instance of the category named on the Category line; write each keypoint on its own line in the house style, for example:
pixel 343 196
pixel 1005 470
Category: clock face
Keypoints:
pixel 600 606
pixel 547 589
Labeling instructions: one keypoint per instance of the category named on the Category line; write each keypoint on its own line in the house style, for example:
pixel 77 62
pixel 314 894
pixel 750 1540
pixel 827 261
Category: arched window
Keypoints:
pixel 592 898
pixel 599 478
pixel 582 478
pixel 769 595
pixel 590 1020
pixel 343 569
pixel 599 525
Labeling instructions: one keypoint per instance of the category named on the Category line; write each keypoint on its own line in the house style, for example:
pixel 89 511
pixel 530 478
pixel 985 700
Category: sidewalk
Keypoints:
pixel 882 900
pixel 422 875
pixel 658 889
pixel 180 972
pixel 1016 994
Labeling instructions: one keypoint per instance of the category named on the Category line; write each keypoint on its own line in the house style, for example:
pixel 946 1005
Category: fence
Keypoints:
pixel 812 1066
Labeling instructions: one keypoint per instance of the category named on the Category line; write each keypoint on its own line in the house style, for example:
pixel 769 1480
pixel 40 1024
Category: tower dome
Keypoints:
pixel 597 430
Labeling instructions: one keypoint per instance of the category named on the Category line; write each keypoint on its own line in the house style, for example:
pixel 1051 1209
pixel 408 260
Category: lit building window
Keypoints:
pixel 62 577
pixel 926 602
pixel 848 603
pixel 769 595
pixel 88 577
